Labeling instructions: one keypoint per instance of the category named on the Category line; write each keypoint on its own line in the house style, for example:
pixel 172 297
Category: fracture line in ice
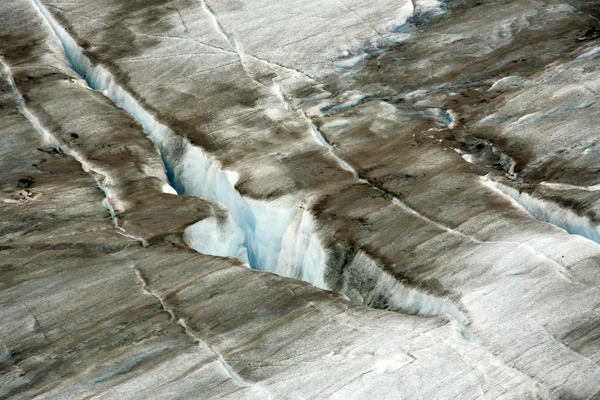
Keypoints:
pixel 410 210
pixel 589 54
pixel 216 22
pixel 188 331
pixel 231 372
pixel 565 186
pixel 264 224
pixel 323 142
pixel 552 213
pixel 275 65
pixel 399 296
pixel 279 235
pixel 548 114
pixel 102 184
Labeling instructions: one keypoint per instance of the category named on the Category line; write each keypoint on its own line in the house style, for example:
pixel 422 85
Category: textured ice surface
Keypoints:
pixel 261 225
pixel 301 255
pixel 321 135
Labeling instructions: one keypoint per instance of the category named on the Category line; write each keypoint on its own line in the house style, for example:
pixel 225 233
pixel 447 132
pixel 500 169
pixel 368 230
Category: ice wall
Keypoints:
pixel 380 289
pixel 263 223
pixel 278 236
pixel 302 256
pixel 547 211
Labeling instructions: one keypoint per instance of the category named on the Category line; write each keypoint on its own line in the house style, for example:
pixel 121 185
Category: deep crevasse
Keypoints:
pixel 277 236
pixel 268 229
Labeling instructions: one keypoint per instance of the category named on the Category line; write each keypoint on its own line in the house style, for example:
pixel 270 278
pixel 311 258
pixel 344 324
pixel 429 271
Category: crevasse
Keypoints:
pixel 547 211
pixel 278 236
pixel 270 228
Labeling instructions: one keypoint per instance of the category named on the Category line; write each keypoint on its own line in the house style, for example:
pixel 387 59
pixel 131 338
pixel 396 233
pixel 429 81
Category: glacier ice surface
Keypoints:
pixel 263 224
pixel 278 235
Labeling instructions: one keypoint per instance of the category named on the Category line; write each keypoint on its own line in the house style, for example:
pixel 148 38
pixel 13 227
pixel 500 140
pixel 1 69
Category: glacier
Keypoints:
pixel 103 184
pixel 278 236
pixel 326 199
pixel 264 223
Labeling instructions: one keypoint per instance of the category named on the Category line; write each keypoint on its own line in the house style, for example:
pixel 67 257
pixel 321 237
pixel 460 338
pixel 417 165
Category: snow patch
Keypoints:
pixel 508 82
pixel 430 8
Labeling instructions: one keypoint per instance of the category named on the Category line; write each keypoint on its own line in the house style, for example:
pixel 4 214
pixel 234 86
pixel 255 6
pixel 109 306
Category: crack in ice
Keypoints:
pixel 263 224
pixel 560 269
pixel 549 212
pixel 215 20
pixel 102 184
pixel 188 331
pixel 395 200
pixel 279 237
